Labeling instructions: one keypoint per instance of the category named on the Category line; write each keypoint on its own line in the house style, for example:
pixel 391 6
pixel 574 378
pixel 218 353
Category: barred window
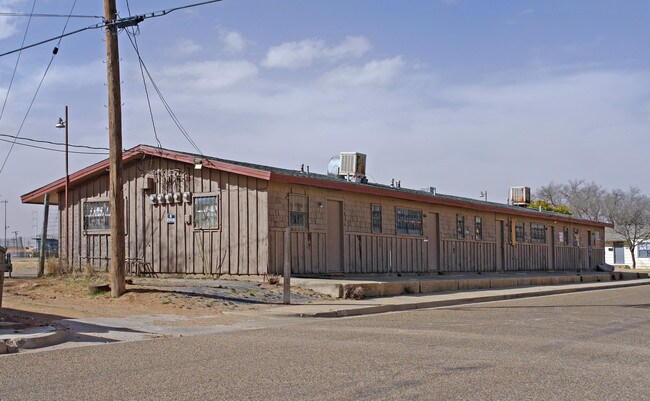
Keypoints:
pixel 206 212
pixel 298 211
pixel 97 215
pixel 478 227
pixel 538 233
pixel 460 226
pixel 409 221
pixel 520 233
pixel 644 250
pixel 375 211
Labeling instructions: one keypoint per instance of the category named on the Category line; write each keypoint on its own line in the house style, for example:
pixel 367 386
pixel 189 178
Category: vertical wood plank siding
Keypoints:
pixel 238 246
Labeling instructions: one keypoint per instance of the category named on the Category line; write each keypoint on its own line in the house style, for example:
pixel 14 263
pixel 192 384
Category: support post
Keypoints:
pixel 67 204
pixel 116 198
pixel 3 258
pixel 287 266
pixel 46 213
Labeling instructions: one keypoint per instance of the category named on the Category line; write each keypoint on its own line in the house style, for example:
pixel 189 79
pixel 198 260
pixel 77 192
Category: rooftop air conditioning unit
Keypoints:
pixel 520 196
pixel 352 163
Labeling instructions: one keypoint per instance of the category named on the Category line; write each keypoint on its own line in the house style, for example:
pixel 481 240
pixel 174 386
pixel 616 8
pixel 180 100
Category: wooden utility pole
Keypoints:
pixel 46 213
pixel 116 199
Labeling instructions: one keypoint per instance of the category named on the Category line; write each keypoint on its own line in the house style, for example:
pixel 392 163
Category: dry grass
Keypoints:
pixel 51 267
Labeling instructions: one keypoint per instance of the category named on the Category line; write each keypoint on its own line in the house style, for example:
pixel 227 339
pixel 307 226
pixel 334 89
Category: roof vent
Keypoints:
pixel 520 196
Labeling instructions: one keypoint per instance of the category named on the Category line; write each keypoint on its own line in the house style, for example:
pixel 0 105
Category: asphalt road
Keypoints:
pixel 584 346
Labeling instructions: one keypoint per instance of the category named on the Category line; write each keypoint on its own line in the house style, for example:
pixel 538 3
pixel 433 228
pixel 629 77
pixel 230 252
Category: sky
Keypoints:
pixel 462 95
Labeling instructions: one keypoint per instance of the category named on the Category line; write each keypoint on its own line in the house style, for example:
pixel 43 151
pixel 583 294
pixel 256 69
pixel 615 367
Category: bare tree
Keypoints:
pixel 630 213
pixel 584 199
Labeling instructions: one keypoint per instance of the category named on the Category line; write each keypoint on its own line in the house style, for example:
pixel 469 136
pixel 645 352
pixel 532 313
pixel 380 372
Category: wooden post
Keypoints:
pixel 287 266
pixel 116 198
pixel 3 258
pixel 46 213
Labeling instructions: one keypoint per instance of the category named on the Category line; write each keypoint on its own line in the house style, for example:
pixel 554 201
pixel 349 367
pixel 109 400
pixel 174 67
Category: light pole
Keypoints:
pixel 65 124
pixel 6 226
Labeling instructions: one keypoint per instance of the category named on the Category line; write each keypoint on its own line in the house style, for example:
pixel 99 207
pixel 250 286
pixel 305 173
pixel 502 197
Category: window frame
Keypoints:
pixel 376 218
pixel 460 226
pixel 411 223
pixel 538 233
pixel 520 231
pixel 304 213
pixel 84 225
pixel 478 228
pixel 645 248
pixel 217 196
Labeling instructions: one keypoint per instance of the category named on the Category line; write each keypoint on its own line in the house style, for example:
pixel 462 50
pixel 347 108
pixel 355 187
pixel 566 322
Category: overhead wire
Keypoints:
pixel 164 101
pixel 144 80
pixel 38 88
pixel 53 143
pixel 13 75
pixel 32 14
pixel 52 149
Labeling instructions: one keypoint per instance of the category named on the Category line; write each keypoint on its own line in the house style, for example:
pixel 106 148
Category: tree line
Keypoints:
pixel 628 210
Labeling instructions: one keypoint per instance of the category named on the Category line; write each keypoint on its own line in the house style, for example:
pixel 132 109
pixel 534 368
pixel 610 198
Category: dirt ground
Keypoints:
pixel 69 297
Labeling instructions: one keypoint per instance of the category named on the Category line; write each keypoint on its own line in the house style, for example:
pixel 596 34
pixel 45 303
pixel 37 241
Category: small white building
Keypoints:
pixel 617 252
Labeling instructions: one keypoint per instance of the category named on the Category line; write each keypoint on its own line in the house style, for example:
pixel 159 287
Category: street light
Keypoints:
pixel 64 124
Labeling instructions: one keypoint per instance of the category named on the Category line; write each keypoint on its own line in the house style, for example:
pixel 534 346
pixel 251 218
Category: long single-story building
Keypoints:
pixel 192 214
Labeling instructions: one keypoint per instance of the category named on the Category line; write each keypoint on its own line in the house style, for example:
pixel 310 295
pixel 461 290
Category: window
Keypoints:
pixel 566 235
pixel 644 250
pixel 460 226
pixel 520 234
pixel 97 215
pixel 478 227
pixel 376 218
pixel 409 221
pixel 538 233
pixel 206 212
pixel 298 211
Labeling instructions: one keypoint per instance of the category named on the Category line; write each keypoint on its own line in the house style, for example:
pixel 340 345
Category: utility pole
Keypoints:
pixel 6 226
pixel 46 213
pixel 116 199
pixel 15 238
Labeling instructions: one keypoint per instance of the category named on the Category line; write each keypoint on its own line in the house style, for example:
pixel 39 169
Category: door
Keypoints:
pixel 551 250
pixel 619 253
pixel 500 249
pixel 433 242
pixel 334 256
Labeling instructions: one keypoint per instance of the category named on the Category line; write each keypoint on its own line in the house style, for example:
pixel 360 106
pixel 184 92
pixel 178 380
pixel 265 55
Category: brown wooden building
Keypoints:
pixel 192 214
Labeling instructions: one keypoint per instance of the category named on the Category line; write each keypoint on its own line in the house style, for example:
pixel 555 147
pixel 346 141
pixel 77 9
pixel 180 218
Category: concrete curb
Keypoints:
pixel 475 298
pixel 32 341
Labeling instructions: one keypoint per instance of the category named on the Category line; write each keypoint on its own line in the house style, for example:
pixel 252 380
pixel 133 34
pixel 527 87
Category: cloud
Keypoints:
pixel 294 55
pixel 234 42
pixel 205 75
pixel 8 25
pixel 376 72
pixel 186 47
pixel 527 11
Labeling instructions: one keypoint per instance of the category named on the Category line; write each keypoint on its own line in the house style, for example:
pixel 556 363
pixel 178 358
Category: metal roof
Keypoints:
pixel 278 174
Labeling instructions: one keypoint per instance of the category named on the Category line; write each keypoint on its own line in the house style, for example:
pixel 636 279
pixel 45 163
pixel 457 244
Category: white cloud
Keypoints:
pixel 294 55
pixel 234 42
pixel 185 47
pixel 376 72
pixel 8 25
pixel 207 75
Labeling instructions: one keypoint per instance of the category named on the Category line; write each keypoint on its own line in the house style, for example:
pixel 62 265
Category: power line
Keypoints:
pixel 38 88
pixel 13 75
pixel 32 14
pixel 53 143
pixel 52 149
pixel 164 102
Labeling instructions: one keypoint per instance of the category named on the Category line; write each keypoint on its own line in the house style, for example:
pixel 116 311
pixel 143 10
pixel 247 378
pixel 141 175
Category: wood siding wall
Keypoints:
pixel 366 252
pixel 238 246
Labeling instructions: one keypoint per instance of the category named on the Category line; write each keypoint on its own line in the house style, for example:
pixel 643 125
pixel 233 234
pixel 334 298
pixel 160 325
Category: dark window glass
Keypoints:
pixel 460 226
pixel 538 233
pixel 298 211
pixel 644 250
pixel 520 234
pixel 478 227
pixel 97 215
pixel 409 221
pixel 376 218
pixel 206 212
